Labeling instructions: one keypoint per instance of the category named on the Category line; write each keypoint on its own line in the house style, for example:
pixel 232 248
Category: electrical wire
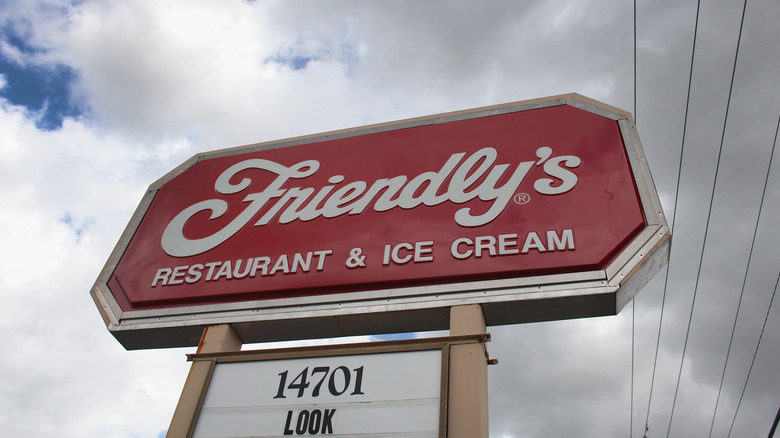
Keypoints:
pixel 750 370
pixel 774 144
pixel 634 62
pixel 744 279
pixel 633 300
pixel 774 424
pixel 709 216
pixel 674 217
pixel 633 325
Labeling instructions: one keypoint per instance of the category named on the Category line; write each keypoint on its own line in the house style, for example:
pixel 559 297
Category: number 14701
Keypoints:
pixel 339 381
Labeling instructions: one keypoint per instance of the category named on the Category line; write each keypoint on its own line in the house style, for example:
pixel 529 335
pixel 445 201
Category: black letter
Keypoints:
pixel 327 424
pixel 314 421
pixel 287 430
pixel 303 422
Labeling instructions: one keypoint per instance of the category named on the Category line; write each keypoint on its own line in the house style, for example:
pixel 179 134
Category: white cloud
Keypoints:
pixel 63 193
pixel 11 53
pixel 203 71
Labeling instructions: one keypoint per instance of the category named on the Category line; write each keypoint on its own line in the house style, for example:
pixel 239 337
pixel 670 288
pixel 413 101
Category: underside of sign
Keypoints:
pixel 537 210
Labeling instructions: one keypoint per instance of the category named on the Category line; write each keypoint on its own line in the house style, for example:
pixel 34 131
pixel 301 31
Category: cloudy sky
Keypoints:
pixel 98 99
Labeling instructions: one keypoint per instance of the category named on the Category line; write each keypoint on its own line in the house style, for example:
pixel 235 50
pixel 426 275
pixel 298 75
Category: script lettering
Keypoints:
pixel 458 181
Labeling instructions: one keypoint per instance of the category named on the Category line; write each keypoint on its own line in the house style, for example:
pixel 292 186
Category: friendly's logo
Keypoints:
pixel 458 181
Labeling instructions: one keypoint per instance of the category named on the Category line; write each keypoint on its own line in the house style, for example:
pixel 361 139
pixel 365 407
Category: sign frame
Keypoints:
pixel 340 350
pixel 414 308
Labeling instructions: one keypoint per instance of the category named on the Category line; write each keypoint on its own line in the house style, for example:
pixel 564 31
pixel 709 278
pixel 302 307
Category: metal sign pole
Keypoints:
pixel 468 393
pixel 215 339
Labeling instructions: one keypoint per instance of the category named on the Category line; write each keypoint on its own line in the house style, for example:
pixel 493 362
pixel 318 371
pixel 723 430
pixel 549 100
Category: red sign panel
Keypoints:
pixel 535 210
pixel 538 192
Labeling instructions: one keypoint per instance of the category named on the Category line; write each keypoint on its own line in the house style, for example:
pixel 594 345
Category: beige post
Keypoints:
pixel 468 394
pixel 215 339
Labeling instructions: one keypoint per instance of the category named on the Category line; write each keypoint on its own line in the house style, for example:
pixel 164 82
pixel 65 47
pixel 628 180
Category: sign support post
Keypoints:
pixel 215 339
pixel 468 392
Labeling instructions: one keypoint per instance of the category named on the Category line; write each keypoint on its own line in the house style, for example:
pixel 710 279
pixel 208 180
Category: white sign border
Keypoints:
pixel 416 308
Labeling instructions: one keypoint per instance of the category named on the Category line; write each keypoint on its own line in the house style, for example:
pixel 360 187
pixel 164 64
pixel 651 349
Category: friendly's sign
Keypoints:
pixel 537 210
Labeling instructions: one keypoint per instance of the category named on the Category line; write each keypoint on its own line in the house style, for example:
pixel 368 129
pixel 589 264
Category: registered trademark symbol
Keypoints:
pixel 522 198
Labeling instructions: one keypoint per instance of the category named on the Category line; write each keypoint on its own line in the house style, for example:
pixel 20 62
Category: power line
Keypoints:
pixel 744 279
pixel 750 370
pixel 674 217
pixel 633 300
pixel 634 61
pixel 774 425
pixel 769 309
pixel 709 216
pixel 633 325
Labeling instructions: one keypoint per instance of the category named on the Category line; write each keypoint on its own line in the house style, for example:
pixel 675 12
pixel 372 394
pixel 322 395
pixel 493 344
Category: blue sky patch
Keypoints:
pixel 296 62
pixel 42 89
pixel 79 227
pixel 394 337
